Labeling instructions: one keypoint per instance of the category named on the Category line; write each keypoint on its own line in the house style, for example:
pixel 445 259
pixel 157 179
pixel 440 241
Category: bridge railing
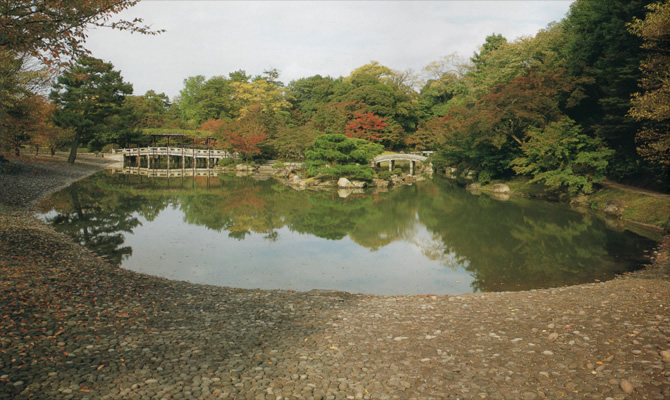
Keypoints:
pixel 175 151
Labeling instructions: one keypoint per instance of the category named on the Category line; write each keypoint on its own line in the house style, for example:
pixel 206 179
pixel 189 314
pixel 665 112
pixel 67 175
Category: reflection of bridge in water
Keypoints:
pixel 165 173
pixel 392 158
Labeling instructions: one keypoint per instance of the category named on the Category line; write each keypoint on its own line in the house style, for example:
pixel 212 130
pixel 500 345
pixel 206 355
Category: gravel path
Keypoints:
pixel 73 327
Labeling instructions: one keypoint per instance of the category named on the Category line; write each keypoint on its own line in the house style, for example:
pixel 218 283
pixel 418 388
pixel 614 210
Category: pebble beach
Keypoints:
pixel 74 327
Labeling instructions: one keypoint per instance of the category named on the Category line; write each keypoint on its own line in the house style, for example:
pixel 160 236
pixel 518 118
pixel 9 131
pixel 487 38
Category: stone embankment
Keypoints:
pixel 74 327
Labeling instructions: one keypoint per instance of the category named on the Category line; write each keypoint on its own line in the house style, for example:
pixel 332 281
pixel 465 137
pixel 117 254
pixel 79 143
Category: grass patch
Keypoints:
pixel 638 207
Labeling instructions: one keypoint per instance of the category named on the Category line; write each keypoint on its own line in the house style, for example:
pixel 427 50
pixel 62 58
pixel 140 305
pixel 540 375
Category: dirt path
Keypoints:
pixel 634 189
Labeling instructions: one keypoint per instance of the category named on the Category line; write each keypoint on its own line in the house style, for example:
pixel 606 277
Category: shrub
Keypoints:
pixel 385 175
pixel 563 158
pixel 484 177
pixel 278 165
pixel 226 162
pixel 108 148
pixel 360 172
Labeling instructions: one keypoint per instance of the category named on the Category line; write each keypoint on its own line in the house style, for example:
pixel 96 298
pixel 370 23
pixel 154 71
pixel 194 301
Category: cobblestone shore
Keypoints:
pixel 73 327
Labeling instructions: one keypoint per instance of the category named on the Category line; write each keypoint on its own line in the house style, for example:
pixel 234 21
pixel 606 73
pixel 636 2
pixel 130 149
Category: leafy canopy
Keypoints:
pixel 339 155
pixel 55 30
pixel 563 158
pixel 91 99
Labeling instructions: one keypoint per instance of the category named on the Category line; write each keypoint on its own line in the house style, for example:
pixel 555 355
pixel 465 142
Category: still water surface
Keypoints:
pixel 432 237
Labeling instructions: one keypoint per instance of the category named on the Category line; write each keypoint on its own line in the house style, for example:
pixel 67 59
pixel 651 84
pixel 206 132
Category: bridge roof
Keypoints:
pixel 397 157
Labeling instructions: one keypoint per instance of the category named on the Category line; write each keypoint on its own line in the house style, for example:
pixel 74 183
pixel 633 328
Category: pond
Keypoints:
pixel 432 237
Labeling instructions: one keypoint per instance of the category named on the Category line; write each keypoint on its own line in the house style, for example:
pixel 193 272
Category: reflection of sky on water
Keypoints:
pixel 171 248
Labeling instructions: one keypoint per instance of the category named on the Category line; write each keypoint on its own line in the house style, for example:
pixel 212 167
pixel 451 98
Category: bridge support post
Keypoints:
pixel 391 165
pixel 411 168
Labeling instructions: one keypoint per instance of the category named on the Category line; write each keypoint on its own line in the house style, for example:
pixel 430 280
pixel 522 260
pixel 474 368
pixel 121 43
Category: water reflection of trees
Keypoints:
pixel 511 245
pixel 94 218
pixel 524 244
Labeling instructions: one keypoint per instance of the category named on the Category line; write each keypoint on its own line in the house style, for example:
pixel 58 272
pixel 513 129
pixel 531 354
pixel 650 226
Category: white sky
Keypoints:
pixel 305 38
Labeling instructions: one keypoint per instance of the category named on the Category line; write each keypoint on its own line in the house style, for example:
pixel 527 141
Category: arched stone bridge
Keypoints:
pixel 392 158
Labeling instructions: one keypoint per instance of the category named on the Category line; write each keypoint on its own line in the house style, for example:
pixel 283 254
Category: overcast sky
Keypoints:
pixel 305 38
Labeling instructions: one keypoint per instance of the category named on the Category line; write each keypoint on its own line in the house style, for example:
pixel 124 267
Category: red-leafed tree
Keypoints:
pixel 366 126
pixel 247 133
pixel 213 125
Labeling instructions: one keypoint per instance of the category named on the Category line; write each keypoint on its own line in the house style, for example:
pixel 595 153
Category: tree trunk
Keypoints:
pixel 73 149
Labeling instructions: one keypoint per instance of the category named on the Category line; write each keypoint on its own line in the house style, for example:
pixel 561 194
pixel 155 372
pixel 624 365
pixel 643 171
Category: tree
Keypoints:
pixel 120 128
pixel 31 121
pixel 47 134
pixel 87 94
pixel 338 155
pixel 20 106
pixel 430 135
pixel 263 91
pixel 203 99
pixel 308 95
pixel 332 118
pixel 387 93
pixel 563 158
pixel 493 42
pixel 652 106
pixel 292 141
pixel 247 133
pixel 605 55
pixel 153 109
pixel 19 122
pixel 366 126
pixel 55 29
pixel 213 126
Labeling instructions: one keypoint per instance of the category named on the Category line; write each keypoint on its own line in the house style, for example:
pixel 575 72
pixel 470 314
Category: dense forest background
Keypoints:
pixel 584 99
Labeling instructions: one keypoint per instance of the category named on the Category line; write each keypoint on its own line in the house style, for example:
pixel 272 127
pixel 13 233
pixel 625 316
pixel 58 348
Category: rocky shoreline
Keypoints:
pixel 73 327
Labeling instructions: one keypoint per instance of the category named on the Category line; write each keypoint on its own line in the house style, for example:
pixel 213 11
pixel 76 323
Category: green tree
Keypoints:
pixel 154 110
pixel 203 99
pixel 88 94
pixel 332 118
pixel 387 93
pixel 605 56
pixel 492 43
pixel 308 95
pixel 337 155
pixel 563 158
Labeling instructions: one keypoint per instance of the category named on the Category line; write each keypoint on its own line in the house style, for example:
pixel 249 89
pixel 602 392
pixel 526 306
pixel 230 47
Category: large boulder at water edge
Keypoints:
pixel 295 181
pixel 380 183
pixel 500 188
pixel 344 183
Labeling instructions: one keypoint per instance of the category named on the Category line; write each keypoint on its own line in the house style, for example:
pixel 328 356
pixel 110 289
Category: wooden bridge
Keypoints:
pixel 392 158
pixel 172 157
